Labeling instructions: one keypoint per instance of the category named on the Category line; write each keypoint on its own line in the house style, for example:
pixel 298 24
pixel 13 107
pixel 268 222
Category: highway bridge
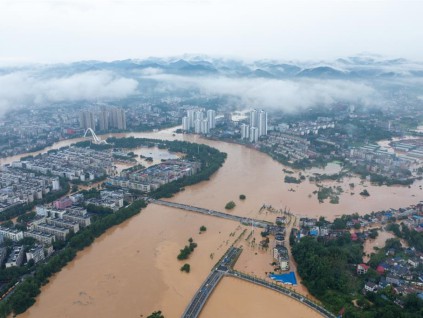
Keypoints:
pixel 225 267
pixel 243 220
pixel 280 289
pixel 200 298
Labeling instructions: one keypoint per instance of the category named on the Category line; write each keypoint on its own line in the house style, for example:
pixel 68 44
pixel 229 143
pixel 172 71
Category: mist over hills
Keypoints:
pixel 286 85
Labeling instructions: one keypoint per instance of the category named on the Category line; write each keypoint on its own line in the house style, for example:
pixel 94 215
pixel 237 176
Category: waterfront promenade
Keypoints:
pixel 243 220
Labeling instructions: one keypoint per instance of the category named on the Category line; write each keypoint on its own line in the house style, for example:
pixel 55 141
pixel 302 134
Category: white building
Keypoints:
pixel 15 257
pixel 211 118
pixel 56 185
pixel 254 134
pixel 191 117
pixel 185 124
pixel 36 253
pixel 245 131
pixel 197 126
pixel 205 126
pixel 11 234
pixel 254 118
pixel 262 123
pixel 199 115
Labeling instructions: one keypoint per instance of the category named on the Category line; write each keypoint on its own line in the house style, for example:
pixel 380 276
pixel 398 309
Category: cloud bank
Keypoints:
pixel 287 95
pixel 24 88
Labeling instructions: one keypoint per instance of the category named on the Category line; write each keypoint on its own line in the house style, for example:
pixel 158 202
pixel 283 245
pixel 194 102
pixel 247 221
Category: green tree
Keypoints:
pixel 230 205
pixel 156 314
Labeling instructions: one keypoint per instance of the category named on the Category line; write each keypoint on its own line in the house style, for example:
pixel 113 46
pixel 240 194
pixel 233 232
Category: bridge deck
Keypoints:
pixel 243 220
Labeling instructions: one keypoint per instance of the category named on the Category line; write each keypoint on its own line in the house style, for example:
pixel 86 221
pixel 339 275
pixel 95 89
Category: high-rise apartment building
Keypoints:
pixel 197 126
pixel 86 120
pixel 258 119
pixel 117 118
pixel 254 118
pixel 204 126
pixel 245 131
pixel 262 123
pixel 211 118
pixel 185 124
pixel 103 119
pixel 254 134
pixel 191 117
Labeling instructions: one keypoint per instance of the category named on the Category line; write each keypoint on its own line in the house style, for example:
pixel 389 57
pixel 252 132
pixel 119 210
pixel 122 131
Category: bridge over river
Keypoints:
pixel 225 268
pixel 243 220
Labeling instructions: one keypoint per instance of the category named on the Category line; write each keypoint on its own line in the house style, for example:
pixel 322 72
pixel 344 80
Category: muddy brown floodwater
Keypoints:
pixel 132 269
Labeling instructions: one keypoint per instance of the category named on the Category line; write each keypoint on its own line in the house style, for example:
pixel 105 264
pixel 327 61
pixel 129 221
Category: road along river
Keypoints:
pixel 132 270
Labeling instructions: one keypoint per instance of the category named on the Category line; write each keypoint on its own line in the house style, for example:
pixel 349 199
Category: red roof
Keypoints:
pixel 380 269
pixel 364 266
pixel 353 236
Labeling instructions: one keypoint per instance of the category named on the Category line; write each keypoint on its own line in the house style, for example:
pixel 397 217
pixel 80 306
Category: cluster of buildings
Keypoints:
pixel 153 177
pixel 280 252
pixel 304 128
pixel 108 199
pixel 73 163
pixel 18 187
pixel 412 148
pixel 55 222
pixel 401 272
pixel 289 146
pixel 401 268
pixel 381 162
pixel 104 119
pixel 49 225
pixel 257 126
pixel 198 121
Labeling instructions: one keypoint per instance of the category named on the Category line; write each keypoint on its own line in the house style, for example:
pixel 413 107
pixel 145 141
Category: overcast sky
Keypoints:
pixel 62 31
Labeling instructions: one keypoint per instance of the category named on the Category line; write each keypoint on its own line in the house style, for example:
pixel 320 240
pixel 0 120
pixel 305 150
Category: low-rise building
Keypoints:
pixel 41 237
pixel 3 254
pixel 67 224
pixel 82 220
pixel 16 257
pixel 280 254
pixel 370 287
pixel 59 232
pixel 362 269
pixel 11 234
pixel 36 253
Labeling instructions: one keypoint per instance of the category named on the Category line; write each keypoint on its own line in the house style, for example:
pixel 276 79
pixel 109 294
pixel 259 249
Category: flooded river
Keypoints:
pixel 132 270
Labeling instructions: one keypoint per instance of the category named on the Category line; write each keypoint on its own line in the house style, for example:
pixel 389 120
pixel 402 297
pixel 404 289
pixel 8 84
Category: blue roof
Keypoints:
pixel 288 278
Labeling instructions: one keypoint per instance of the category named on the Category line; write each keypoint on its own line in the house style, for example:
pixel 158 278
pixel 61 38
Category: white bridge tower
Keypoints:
pixel 95 139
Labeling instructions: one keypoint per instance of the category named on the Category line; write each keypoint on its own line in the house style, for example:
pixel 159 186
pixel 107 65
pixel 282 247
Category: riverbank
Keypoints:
pixel 132 269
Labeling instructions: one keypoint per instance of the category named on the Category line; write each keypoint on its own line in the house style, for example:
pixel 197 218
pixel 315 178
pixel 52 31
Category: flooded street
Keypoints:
pixel 132 270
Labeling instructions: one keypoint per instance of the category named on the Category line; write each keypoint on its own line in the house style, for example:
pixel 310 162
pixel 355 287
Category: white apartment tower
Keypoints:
pixel 103 119
pixel 254 118
pixel 205 126
pixel 262 123
pixel 245 131
pixel 211 118
pixel 86 120
pixel 197 126
pixel 191 117
pixel 254 134
pixel 185 123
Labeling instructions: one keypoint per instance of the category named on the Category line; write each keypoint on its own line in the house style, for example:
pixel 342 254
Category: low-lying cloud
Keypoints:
pixel 287 95
pixel 24 88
